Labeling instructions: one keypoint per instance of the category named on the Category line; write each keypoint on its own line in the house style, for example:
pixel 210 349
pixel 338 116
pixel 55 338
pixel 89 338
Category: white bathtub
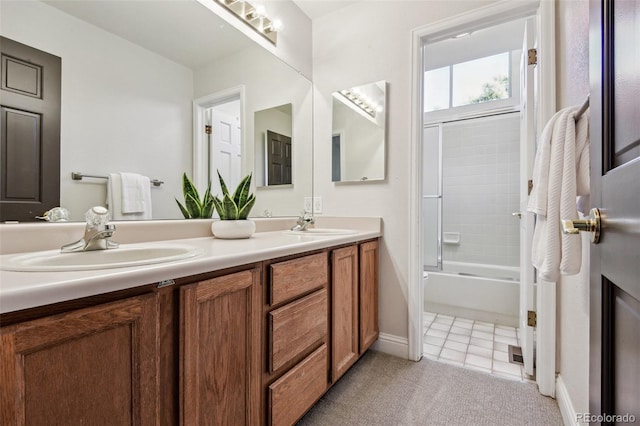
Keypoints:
pixel 464 289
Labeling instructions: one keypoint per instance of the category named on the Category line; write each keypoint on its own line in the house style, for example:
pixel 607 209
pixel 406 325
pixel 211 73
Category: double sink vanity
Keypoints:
pixel 178 327
pixel 175 326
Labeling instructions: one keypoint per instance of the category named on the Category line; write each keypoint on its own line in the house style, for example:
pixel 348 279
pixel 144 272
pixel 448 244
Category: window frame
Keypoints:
pixel 512 103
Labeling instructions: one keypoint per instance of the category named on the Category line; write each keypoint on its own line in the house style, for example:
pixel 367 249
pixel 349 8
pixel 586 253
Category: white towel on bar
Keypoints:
pixel 561 162
pixel 136 193
pixel 538 197
pixel 129 196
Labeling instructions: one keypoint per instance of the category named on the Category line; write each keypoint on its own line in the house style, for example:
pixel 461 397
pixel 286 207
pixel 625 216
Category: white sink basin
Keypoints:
pixel 323 232
pixel 125 255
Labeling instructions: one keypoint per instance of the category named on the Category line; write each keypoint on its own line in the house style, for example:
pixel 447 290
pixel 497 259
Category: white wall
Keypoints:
pixel 294 39
pixel 572 62
pixel 124 108
pixel 348 50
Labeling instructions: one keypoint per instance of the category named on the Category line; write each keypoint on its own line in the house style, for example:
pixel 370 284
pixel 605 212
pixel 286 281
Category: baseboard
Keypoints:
pixel 392 345
pixel 564 403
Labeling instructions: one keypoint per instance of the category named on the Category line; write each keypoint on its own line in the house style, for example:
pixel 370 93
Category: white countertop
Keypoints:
pixel 22 290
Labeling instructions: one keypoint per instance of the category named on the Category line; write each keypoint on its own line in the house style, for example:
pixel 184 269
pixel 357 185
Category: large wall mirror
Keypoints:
pixel 358 133
pixel 131 72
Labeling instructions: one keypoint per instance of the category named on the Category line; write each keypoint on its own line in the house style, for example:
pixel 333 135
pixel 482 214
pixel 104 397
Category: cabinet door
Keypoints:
pixel 93 366
pixel 368 294
pixel 344 312
pixel 220 350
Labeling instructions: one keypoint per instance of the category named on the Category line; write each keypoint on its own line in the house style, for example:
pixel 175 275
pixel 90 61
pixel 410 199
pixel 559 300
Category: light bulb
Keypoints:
pixel 260 11
pixel 276 25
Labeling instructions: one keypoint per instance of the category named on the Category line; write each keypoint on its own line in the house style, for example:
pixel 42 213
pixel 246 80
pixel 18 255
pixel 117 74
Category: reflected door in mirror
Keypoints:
pixel 30 121
pixel 226 144
pixel 278 159
pixel 274 146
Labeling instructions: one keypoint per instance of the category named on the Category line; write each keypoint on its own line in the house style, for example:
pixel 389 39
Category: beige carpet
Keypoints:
pixel 384 390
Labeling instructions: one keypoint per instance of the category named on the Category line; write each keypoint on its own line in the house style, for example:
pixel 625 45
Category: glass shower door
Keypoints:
pixel 470 189
pixel 481 190
pixel 432 198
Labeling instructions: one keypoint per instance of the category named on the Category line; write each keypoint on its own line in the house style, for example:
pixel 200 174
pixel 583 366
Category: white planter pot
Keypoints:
pixel 233 229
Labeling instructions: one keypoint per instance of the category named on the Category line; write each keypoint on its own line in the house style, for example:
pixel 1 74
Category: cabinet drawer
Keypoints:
pixel 296 326
pixel 294 393
pixel 295 277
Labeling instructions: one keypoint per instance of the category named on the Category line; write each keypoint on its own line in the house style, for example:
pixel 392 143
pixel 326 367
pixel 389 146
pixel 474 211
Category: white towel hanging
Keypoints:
pixel 136 193
pixel 129 196
pixel 560 168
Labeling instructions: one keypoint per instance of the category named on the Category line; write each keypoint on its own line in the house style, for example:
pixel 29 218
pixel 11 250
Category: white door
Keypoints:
pixel 527 146
pixel 226 150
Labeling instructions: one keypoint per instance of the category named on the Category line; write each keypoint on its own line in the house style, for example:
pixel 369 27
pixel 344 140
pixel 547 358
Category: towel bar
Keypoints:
pixel 582 108
pixel 79 176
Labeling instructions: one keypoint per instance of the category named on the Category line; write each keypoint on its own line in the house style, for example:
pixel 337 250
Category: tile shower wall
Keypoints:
pixel 481 170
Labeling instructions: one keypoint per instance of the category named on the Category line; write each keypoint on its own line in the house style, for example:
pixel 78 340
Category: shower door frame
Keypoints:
pixel 491 14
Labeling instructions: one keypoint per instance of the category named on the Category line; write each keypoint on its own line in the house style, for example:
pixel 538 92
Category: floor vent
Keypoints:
pixel 515 355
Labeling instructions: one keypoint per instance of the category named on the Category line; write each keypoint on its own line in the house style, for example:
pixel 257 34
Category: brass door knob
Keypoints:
pixel 591 224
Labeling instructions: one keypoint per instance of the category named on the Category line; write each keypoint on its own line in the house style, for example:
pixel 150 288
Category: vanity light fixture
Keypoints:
pixel 361 102
pixel 255 17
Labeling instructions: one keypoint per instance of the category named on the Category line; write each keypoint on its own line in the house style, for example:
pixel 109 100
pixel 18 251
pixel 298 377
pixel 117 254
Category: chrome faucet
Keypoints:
pixel 96 233
pixel 303 222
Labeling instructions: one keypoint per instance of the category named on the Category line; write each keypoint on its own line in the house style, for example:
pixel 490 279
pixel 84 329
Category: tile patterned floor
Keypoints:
pixel 477 345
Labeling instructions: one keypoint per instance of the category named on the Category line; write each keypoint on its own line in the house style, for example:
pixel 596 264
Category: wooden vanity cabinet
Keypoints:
pixel 320 315
pixel 220 350
pixel 187 353
pixel 354 304
pixel 344 310
pixel 251 345
pixel 296 336
pixel 92 366
pixel 368 294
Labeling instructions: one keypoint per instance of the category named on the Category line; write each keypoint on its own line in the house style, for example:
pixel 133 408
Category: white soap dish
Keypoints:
pixel 452 238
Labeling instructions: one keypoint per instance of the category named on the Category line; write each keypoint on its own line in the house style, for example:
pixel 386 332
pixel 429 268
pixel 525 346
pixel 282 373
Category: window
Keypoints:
pixel 480 80
pixel 437 89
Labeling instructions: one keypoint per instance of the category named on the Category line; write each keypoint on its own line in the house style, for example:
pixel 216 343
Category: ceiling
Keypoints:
pixel 317 8
pixel 163 29
pixel 183 30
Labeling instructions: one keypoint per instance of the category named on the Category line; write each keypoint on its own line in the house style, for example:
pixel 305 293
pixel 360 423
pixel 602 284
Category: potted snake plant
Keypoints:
pixel 233 210
pixel 194 207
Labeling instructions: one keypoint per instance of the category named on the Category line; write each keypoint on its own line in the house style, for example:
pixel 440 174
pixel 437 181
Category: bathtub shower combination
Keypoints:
pixel 475 291
pixel 471 237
